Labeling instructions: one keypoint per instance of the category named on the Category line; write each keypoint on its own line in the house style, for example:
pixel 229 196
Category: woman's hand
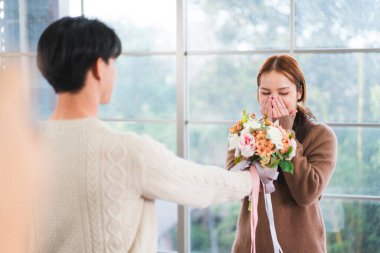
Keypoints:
pixel 275 108
pixel 267 108
pixel 278 108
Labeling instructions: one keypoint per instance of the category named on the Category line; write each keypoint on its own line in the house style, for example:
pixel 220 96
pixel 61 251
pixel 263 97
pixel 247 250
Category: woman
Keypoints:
pixel 101 184
pixel 297 216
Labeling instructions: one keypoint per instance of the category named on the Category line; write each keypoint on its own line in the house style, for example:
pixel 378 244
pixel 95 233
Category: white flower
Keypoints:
pixel 254 124
pixel 233 140
pixel 245 131
pixel 274 134
pixel 293 144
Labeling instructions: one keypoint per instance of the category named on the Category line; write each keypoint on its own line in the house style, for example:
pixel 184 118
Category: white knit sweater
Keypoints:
pixel 101 185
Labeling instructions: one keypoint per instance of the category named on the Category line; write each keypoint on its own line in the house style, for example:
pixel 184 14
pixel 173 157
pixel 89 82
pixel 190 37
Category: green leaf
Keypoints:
pixel 290 150
pixel 280 155
pixel 286 166
pixel 245 118
pixel 237 159
pixel 273 162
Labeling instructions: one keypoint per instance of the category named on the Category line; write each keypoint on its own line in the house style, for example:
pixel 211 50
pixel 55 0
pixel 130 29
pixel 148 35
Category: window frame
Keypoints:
pixel 182 96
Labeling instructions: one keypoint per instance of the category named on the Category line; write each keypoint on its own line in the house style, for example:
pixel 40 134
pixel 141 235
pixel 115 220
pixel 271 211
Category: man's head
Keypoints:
pixel 70 48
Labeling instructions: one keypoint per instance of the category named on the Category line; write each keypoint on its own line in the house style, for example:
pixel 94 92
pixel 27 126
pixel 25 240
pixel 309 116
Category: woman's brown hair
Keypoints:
pixel 289 67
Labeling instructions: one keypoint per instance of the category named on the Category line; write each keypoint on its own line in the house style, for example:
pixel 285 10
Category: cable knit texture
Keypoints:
pixel 100 186
pixel 297 214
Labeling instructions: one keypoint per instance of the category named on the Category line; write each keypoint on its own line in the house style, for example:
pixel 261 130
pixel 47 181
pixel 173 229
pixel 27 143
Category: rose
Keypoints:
pixel 246 144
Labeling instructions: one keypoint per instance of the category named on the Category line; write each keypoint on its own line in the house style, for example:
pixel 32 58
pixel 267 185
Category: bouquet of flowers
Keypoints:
pixel 260 140
pixel 264 145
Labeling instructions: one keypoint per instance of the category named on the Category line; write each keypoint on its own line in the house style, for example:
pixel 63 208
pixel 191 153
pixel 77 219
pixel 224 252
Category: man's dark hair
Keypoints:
pixel 69 47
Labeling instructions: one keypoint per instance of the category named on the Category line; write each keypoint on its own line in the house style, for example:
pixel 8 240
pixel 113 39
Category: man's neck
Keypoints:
pixel 75 106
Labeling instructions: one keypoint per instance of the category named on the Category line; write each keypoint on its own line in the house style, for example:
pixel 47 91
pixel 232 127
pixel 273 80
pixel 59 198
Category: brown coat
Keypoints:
pixel 298 220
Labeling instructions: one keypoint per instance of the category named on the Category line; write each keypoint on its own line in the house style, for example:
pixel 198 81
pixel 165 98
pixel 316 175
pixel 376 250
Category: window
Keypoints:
pixel 189 67
pixel 337 45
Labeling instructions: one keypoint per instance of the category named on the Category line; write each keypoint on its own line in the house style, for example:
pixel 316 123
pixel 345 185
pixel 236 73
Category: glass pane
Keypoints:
pixel 22 22
pixel 220 87
pixel 9 26
pixel 166 211
pixel 337 24
pixel 164 133
pixel 208 144
pixel 237 25
pixel 357 166
pixel 343 87
pixel 357 170
pixel 167 219
pixel 138 23
pixel 213 229
pixel 351 226
pixel 74 8
pixel 145 89
pixel 43 95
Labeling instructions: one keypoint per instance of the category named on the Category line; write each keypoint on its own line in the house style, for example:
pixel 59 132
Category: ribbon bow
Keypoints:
pixel 267 175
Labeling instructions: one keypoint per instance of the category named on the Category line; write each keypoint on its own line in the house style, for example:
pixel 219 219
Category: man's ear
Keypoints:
pixel 97 68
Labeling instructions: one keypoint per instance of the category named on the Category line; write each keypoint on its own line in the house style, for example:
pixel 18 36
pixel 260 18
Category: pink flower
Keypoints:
pixel 246 144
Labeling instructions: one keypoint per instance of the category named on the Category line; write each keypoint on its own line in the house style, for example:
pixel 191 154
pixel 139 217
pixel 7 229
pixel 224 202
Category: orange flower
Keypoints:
pixel 260 135
pixel 286 144
pixel 260 148
pixel 236 128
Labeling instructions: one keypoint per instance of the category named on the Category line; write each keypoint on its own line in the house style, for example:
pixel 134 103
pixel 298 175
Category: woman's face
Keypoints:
pixel 274 84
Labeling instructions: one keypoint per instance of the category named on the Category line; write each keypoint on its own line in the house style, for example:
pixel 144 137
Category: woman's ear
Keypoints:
pixel 299 95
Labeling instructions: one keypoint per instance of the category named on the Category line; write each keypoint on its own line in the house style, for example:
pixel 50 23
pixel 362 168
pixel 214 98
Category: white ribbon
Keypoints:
pixel 267 175
pixel 267 181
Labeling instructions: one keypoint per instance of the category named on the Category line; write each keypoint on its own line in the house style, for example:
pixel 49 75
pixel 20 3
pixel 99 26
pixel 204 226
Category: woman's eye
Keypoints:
pixel 265 93
pixel 284 94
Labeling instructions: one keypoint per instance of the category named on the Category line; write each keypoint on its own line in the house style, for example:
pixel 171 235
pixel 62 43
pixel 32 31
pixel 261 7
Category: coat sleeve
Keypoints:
pixel 313 164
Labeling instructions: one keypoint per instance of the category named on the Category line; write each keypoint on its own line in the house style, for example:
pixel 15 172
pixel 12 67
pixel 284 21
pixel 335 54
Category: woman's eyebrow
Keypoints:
pixel 283 88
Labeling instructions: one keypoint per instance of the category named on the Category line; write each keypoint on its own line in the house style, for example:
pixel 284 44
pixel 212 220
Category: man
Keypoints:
pixel 102 184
